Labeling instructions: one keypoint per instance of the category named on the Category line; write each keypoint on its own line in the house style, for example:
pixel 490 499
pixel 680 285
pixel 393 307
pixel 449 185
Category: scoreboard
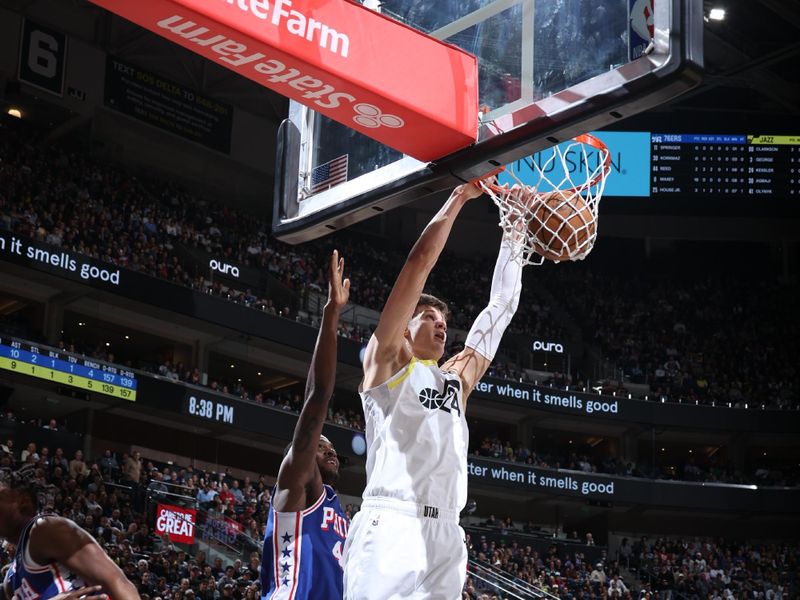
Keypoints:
pixel 725 165
pixel 47 363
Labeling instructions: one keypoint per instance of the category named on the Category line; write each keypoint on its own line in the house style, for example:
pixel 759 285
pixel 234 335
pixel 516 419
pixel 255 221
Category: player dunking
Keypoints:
pixel 54 557
pixel 406 541
pixel 306 527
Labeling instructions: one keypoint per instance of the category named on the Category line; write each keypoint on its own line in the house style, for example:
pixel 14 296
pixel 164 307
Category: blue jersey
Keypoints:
pixel 30 581
pixel 303 550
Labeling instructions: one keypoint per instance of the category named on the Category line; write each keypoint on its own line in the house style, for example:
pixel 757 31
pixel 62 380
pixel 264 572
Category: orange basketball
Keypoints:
pixel 563 225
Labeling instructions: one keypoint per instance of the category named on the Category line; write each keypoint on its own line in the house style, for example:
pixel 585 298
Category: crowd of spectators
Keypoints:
pixel 707 340
pixel 712 338
pixel 563 573
pixel 689 468
pixel 690 569
pixel 718 569
pixel 111 496
pixel 108 497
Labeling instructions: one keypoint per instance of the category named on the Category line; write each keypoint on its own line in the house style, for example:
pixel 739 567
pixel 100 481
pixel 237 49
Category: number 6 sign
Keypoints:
pixel 42 55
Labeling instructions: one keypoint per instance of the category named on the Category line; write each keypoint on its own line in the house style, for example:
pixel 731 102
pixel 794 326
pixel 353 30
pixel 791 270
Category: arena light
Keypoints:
pixel 14 112
pixel 717 14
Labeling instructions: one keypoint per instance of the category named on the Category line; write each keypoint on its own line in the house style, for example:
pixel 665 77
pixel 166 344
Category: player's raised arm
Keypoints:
pixel 488 328
pixel 298 477
pixel 386 343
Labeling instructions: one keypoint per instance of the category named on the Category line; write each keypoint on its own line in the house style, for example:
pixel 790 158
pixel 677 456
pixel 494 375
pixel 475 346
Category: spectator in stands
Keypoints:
pixel 132 468
pixel 109 465
pixel 77 466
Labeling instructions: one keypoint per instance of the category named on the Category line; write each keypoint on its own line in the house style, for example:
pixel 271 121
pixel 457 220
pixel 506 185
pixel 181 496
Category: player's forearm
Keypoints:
pixel 433 239
pixel 322 374
pixel 491 323
pixel 121 588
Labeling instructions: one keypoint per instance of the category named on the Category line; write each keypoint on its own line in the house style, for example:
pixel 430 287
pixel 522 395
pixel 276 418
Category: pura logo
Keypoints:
pixel 224 268
pixel 539 346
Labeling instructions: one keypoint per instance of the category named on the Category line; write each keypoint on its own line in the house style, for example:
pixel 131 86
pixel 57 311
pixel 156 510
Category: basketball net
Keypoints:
pixel 554 218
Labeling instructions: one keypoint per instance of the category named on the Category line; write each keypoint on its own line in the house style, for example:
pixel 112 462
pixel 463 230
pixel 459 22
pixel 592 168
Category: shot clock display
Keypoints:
pixel 63 367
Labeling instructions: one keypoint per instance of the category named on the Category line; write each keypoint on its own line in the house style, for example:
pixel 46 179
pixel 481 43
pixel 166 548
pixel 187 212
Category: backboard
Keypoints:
pixel 548 70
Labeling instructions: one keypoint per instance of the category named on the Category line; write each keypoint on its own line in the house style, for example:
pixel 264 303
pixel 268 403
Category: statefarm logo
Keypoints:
pixel 178 523
pixel 296 23
pixel 316 92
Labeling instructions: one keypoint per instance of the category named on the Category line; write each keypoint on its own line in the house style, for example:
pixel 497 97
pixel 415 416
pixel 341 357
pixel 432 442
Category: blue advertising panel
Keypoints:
pixel 630 164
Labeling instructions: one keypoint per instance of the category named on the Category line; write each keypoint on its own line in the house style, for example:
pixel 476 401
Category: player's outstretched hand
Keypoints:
pixel 84 593
pixel 338 288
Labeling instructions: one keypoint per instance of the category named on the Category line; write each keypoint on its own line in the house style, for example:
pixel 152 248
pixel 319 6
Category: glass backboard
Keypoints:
pixel 548 70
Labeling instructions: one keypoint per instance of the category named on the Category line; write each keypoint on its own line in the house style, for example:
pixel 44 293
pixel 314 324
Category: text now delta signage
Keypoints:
pixel 176 522
pixel 366 71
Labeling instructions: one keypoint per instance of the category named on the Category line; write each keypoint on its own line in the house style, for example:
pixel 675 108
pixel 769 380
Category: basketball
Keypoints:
pixel 562 225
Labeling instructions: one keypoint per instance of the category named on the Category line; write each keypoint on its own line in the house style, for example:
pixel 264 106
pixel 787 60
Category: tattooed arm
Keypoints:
pixel 299 478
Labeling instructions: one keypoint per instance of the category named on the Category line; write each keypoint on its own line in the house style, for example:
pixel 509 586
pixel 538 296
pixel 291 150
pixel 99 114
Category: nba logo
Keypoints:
pixel 640 27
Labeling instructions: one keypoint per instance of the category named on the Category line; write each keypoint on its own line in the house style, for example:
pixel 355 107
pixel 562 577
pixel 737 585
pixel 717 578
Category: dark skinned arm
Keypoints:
pixel 54 539
pixel 299 479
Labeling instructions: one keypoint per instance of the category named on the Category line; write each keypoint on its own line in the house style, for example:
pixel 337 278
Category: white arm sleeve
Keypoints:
pixel 484 336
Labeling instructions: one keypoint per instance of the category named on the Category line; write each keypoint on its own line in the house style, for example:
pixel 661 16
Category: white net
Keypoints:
pixel 555 216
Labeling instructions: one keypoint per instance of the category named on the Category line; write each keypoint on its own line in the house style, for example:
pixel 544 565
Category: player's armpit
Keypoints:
pixel 470 365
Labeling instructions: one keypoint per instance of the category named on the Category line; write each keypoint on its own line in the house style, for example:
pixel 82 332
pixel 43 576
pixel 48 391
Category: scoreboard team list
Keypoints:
pixel 724 164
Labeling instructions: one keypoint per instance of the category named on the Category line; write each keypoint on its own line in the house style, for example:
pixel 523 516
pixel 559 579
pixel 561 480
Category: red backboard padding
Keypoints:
pixel 390 82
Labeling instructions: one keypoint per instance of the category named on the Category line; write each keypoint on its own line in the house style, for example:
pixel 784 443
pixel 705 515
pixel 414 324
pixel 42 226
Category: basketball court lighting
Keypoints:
pixel 717 14
pixel 15 112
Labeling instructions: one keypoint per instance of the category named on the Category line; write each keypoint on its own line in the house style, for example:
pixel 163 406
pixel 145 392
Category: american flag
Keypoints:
pixel 329 174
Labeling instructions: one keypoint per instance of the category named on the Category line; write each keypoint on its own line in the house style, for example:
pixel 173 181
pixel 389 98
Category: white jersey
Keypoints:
pixel 417 437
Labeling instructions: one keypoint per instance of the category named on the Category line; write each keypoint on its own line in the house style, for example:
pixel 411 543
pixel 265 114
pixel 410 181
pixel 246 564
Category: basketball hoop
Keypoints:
pixel 555 218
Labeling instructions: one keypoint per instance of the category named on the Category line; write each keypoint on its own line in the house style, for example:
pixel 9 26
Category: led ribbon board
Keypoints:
pixel 386 80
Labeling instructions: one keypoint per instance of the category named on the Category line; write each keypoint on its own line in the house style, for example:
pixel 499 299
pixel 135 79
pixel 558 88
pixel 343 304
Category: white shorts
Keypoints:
pixel 396 549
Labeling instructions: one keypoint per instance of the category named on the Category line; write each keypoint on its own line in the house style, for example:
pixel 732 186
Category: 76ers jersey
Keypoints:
pixel 30 581
pixel 303 550
pixel 417 437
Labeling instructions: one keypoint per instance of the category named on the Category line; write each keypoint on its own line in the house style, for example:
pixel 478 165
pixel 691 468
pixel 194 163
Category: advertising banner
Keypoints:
pixel 620 408
pixel 220 529
pixel 167 105
pixel 162 294
pixel 630 491
pixel 388 81
pixel 176 522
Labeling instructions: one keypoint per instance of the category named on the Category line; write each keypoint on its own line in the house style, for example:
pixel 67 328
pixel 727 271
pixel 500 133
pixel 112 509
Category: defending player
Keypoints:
pixel 306 527
pixel 406 541
pixel 53 555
